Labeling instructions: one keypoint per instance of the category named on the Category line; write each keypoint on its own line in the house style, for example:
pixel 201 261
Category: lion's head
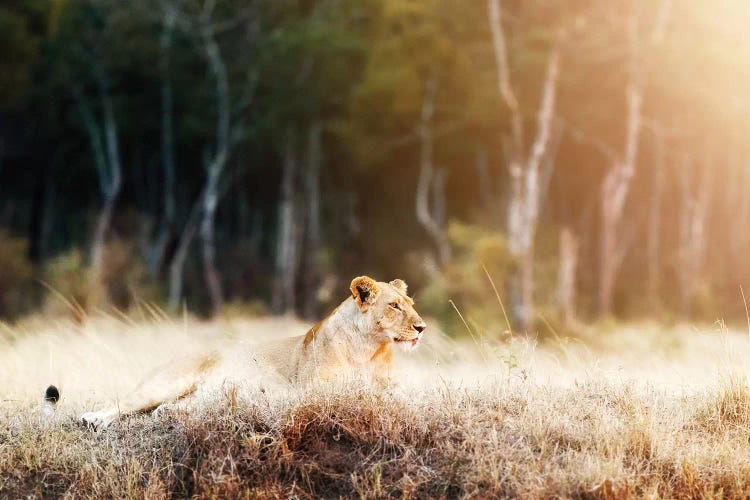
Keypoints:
pixel 389 311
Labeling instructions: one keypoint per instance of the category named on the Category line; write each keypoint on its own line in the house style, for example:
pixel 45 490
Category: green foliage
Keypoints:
pixel 123 275
pixel 75 292
pixel 16 274
pixel 359 68
pixel 251 309
pixel 70 287
pixel 22 27
pixel 413 42
pixel 466 283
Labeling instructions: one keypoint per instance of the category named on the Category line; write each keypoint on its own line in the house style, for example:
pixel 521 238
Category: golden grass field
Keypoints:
pixel 640 411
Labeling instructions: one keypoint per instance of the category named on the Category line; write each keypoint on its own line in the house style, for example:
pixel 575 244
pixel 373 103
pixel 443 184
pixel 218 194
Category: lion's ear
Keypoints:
pixel 365 291
pixel 400 285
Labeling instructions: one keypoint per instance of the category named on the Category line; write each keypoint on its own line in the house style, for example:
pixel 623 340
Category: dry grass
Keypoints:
pixel 638 413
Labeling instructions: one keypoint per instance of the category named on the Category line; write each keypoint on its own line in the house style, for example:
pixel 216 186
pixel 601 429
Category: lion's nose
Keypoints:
pixel 420 328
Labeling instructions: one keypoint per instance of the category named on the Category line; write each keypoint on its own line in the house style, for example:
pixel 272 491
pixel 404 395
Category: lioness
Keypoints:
pixel 358 335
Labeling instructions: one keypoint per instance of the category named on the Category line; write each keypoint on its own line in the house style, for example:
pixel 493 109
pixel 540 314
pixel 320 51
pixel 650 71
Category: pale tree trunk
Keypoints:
pixel 550 159
pixel 697 193
pixel 617 181
pixel 207 233
pixel 429 178
pixel 168 223
pixel 313 230
pixel 567 275
pixel 194 222
pixel 505 89
pixel 177 266
pixel 202 218
pixel 614 193
pixel 284 296
pixel 114 184
pixel 655 226
pixel 524 170
pixel 215 167
pixel 105 147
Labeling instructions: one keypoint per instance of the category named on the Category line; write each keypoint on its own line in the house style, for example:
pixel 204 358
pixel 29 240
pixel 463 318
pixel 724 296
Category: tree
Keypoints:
pixel 523 168
pixel 618 179
pixel 88 65
pixel 285 293
pixel 697 192
pixel 567 274
pixel 168 226
pixel 22 28
pixel 424 87
pixel 312 66
pixel 431 179
pixel 203 26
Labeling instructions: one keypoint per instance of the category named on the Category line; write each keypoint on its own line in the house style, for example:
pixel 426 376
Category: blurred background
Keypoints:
pixel 571 161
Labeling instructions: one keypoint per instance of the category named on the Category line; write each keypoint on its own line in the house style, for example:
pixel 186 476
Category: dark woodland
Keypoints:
pixel 589 158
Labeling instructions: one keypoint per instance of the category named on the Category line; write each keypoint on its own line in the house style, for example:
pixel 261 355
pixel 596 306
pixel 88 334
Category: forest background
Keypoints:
pixel 587 159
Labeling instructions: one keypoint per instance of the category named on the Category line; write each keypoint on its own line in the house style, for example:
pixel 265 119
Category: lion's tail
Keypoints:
pixel 50 399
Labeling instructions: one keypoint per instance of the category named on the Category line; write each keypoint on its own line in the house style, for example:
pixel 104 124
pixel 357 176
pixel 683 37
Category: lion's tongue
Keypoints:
pixel 414 342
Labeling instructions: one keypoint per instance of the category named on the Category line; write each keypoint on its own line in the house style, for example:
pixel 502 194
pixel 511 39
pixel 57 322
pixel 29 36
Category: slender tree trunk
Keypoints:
pixel 313 230
pixel 616 186
pixel 566 280
pixel 167 117
pixel 177 266
pixel 427 175
pixel 194 222
pixel 697 193
pixel 105 148
pixel 103 223
pixel 215 168
pixel 284 297
pixel 532 189
pixel 612 248
pixel 687 217
pixel 168 223
pixel 617 182
pixel 524 170
pixel 505 88
pixel 654 228
pixel 549 162
pixel 207 233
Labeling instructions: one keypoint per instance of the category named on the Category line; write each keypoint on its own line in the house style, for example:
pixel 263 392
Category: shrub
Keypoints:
pixel 16 274
pixel 478 252
pixel 75 291
pixel 69 286
pixel 123 275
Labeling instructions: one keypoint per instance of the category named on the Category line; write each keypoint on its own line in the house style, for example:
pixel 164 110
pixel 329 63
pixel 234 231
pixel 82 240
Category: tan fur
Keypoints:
pixel 356 338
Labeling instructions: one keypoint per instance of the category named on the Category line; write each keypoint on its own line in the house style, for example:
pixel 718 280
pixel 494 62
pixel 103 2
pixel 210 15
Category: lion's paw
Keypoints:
pixel 96 420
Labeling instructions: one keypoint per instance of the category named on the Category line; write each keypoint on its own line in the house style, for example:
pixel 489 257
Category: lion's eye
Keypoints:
pixel 395 306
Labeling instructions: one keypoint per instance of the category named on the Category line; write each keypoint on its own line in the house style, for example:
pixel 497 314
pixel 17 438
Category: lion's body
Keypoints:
pixel 356 338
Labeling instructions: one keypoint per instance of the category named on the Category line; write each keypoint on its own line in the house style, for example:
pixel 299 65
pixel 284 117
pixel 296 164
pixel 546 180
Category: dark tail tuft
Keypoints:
pixel 51 395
